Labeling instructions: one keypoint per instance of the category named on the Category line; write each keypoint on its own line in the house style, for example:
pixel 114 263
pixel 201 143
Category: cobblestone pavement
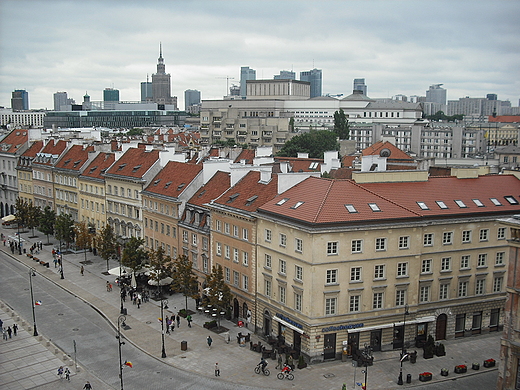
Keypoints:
pixel 236 362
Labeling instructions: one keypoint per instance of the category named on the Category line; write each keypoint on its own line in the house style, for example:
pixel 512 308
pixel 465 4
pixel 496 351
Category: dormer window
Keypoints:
pixel 76 163
pixel 92 169
pixel 251 200
pixel 121 167
pixel 156 182
pixel 167 184
pixel 66 162
pixel 232 197
pixel 134 169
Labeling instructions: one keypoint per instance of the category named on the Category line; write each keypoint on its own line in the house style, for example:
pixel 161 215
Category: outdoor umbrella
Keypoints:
pixel 9 218
pixel 125 271
pixel 133 282
pixel 162 282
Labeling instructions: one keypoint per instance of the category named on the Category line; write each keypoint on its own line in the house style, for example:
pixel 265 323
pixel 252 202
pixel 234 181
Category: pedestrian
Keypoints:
pixel 82 270
pixel 123 294
pixel 15 329
pixel 4 334
pixel 168 324
pixel 87 386
pixel 209 340
pixel 9 331
pixel 178 321
pixel 60 372
pixel 188 318
pixel 280 364
pixel 67 374
pixel 138 302
pixel 290 362
pixel 217 370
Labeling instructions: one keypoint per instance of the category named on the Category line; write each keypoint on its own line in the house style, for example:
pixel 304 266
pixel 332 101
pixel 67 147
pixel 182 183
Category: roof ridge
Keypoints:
pixel 323 200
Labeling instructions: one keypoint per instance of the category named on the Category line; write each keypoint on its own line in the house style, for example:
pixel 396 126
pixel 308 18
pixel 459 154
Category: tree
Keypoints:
pixel 83 236
pixel 33 217
pixel 64 230
pixel 134 256
pixel 161 265
pixel 22 211
pixel 291 124
pixel 47 222
pixel 341 126
pixel 185 280
pixel 106 243
pixel 315 143
pixel 218 293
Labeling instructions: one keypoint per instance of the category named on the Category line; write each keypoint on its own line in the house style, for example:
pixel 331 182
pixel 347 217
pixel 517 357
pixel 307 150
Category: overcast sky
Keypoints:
pixel 399 47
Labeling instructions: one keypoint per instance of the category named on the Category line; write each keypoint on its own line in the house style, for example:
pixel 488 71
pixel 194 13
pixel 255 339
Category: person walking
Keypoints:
pixel 87 386
pixel 82 270
pixel 209 340
pixel 279 362
pixel 217 369
pixel 60 372
pixel 67 374
pixel 188 318
pixel 15 329
pixel 178 321
pixel 4 333
pixel 9 332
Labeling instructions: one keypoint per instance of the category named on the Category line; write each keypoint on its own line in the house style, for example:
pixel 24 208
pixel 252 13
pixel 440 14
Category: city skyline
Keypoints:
pixel 469 47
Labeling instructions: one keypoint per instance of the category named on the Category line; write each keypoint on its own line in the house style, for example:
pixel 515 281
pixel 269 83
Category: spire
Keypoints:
pixel 161 59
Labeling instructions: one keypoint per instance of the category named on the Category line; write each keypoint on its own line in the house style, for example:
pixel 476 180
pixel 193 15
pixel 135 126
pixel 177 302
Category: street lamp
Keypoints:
pixel 120 321
pixel 367 357
pixel 19 240
pixel 61 262
pixel 32 272
pixel 164 306
pixel 404 355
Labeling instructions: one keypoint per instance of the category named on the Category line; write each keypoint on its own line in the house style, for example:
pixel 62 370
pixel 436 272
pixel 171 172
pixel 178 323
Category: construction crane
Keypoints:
pixel 227 82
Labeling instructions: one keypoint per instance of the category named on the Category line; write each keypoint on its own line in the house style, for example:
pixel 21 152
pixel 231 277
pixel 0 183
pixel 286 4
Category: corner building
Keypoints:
pixel 340 261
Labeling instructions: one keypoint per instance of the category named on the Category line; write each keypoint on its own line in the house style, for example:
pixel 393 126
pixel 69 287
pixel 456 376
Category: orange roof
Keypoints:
pixel 249 193
pixel 135 162
pixel 52 148
pixel 74 158
pixel 33 149
pixel 299 164
pixel 99 165
pixel 15 140
pixel 505 118
pixel 216 186
pixel 395 152
pixel 173 179
pixel 325 201
pixel 247 155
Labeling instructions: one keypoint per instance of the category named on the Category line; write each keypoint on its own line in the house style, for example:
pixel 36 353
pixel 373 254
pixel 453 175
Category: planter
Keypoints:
pixel 460 369
pixel 425 376
pixel 489 363
pixel 475 366
pixel 444 372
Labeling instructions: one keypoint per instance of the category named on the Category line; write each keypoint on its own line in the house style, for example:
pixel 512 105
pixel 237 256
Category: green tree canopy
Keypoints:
pixel 134 256
pixel 315 143
pixel 106 243
pixel 185 280
pixel 162 266
pixel 64 229
pixel 341 126
pixel 83 236
pixel 22 211
pixel 218 293
pixel 33 217
pixel 440 116
pixel 47 222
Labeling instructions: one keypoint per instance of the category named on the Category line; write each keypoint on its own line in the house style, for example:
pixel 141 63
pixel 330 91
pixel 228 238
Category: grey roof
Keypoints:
pixel 393 104
pixel 323 98
pixel 358 96
pixel 509 149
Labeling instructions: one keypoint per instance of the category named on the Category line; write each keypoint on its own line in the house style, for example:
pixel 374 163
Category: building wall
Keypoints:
pixel 123 201
pixel 66 194
pixel 92 207
pixel 160 219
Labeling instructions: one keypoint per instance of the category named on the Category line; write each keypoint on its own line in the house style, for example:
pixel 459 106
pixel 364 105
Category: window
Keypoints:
pixel 193 237
pixel 235 230
pixel 351 208
pixel 446 264
pixel 283 267
pixel 268 235
pixel 464 262
pixel 332 276
pixel 404 242
pixel 235 255
pixel 495 201
pixel 444 288
pixel 297 302
pixel 377 300
pixel 354 303
pixel 482 260
pixel 298 272
pixel 268 287
pixel 268 261
pixel 236 278
pixel 447 238
pixel 219 249
pixel 355 274
pixel 478 203
pixel 332 248
pixel 484 234
pixel 184 233
pixel 298 245
pixel 374 207
pixel 226 228
pixel 501 234
pixel 461 204
pixel 441 204
pixel 463 288
pixel 227 252
pixel 380 244
pixel 499 258
pixel 245 282
pixel 227 274
pixel 218 225
pixel 357 246
pixel 400 297
pixel 466 236
pixel 426 266
pixel 245 258
pixel 330 306
pixel 423 205
pixel 497 283
pixel 283 240
pixel 460 323
pixel 479 286
pixel 402 269
pixel 424 294
pixel 245 234
pixel 283 294
pixel 428 239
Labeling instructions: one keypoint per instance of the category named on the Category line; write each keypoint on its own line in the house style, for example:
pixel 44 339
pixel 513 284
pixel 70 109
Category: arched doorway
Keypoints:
pixel 2 209
pixel 267 323
pixel 236 308
pixel 440 329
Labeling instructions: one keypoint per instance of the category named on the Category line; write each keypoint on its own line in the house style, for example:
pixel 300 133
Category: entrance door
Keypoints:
pixel 375 340
pixel 329 346
pixel 440 329
pixel 236 308
pixel 353 341
pixel 298 341
pixel 477 323
pixel 494 320
pixel 267 323
pixel 398 337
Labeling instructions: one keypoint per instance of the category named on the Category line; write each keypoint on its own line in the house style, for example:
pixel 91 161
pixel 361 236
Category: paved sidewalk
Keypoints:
pixel 236 362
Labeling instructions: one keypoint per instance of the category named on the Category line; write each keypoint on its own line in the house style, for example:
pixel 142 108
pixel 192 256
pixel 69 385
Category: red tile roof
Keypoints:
pixel 298 164
pixel 74 158
pixel 14 141
pixel 325 200
pixel 395 152
pixel 135 162
pixel 99 165
pixel 173 178
pixel 247 155
pixel 33 149
pixel 249 193
pixel 215 187
pixel 505 118
pixel 52 148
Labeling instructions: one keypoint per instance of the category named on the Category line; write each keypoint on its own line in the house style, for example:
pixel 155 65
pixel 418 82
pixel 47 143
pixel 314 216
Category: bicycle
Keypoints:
pixel 265 371
pixel 285 373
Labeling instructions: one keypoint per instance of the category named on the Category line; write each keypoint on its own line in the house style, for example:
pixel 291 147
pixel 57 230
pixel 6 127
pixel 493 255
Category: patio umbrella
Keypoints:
pixel 133 283
pixel 125 271
pixel 9 218
pixel 162 282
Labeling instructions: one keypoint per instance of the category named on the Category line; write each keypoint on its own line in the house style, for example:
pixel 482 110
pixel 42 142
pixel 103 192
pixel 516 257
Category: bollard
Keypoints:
pixel 184 345
pixel 40 338
pixel 409 378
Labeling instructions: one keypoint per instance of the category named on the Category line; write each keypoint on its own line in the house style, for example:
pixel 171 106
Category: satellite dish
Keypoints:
pixel 385 152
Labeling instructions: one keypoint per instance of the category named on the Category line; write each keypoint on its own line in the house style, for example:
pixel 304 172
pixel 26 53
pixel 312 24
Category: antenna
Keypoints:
pixel 227 82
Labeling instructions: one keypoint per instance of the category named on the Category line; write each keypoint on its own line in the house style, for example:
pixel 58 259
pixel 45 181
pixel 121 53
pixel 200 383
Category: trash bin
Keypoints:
pixel 409 378
pixel 184 345
pixel 125 312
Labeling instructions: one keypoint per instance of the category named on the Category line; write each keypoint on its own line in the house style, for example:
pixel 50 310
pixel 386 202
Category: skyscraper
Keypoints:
pixel 191 97
pixel 20 100
pixel 314 77
pixel 146 91
pixel 246 73
pixel 285 75
pixel 436 94
pixel 60 100
pixel 359 85
pixel 111 95
pixel 161 84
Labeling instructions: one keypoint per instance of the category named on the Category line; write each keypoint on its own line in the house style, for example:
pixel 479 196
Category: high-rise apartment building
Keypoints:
pixel 161 85
pixel 436 94
pixel 285 75
pixel 359 85
pixel 313 76
pixel 191 98
pixel 20 100
pixel 246 73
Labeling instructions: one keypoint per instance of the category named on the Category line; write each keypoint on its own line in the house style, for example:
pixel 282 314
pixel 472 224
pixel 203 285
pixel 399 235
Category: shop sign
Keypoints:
pixel 342 327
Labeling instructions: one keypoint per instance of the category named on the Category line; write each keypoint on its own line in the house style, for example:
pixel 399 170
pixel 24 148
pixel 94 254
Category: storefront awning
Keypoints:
pixel 290 326
pixel 384 326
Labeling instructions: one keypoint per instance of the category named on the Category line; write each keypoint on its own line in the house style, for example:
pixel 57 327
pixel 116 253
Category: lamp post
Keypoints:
pixel 19 240
pixel 61 262
pixel 164 305
pixel 120 321
pixel 404 355
pixel 367 356
pixel 32 272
